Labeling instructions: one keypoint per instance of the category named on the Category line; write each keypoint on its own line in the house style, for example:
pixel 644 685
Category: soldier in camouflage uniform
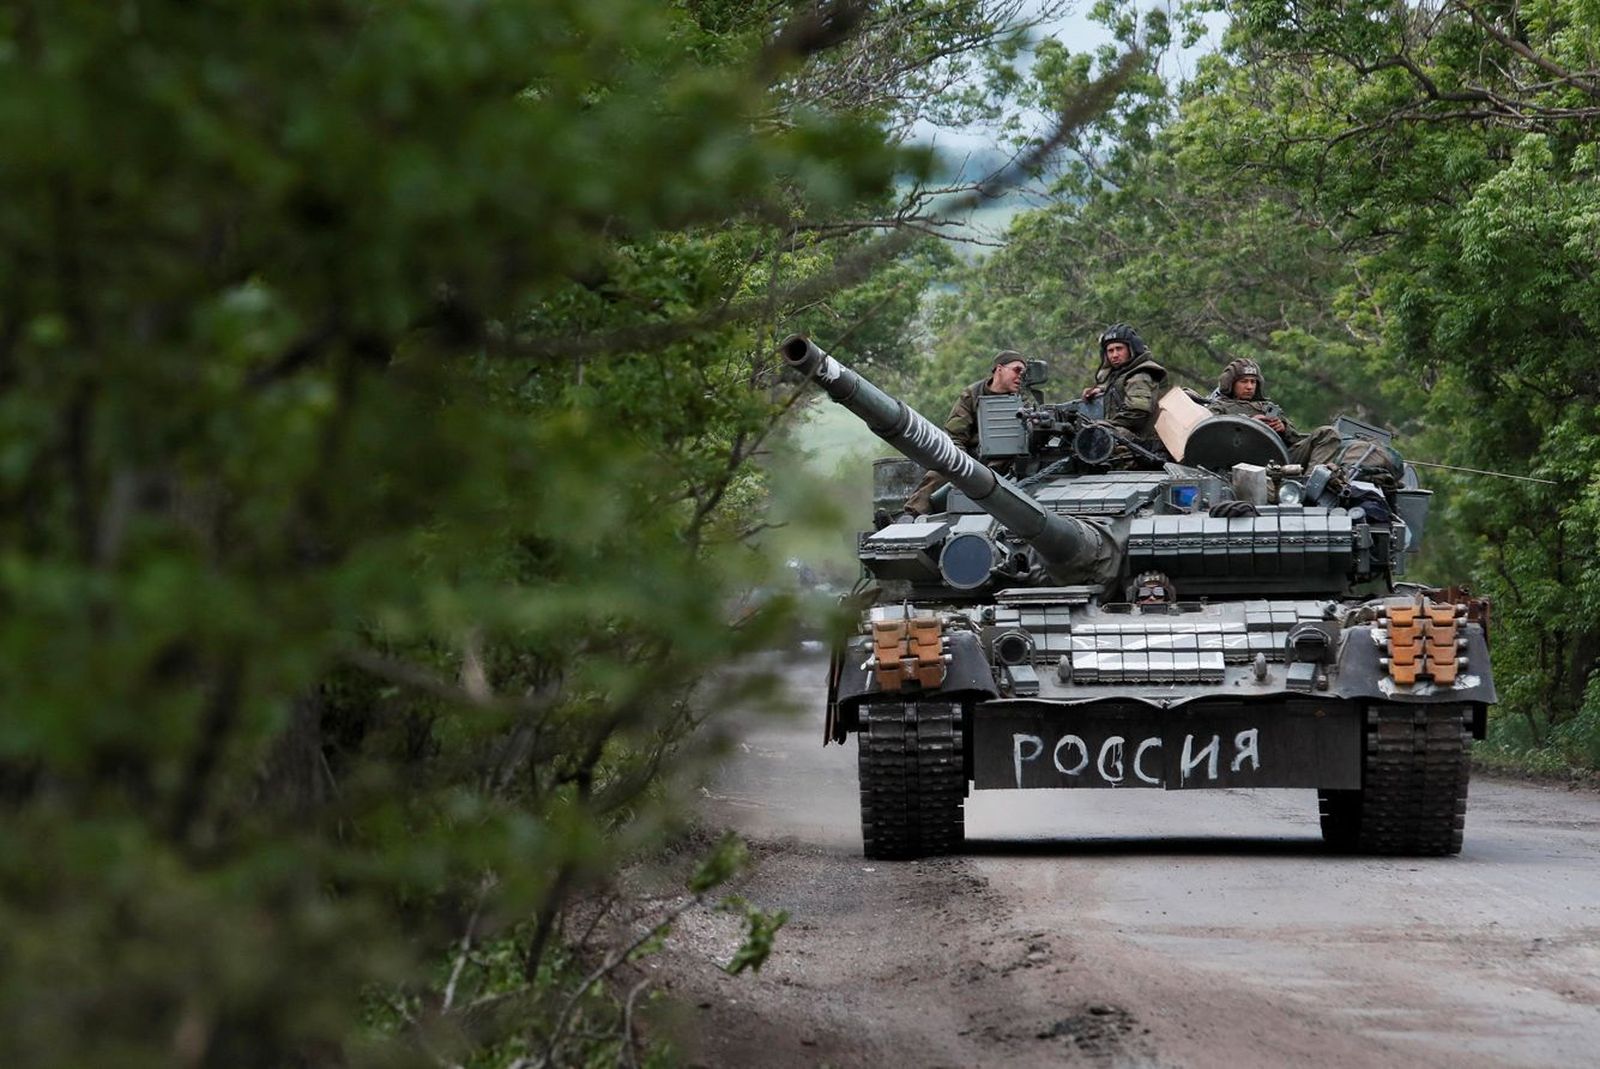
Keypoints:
pixel 1132 383
pixel 1005 376
pixel 1242 391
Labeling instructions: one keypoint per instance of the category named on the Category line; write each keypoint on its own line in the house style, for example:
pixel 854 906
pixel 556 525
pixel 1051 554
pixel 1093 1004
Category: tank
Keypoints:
pixel 1219 621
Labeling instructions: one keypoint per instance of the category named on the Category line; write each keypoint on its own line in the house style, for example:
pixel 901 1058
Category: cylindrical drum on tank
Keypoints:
pixel 893 479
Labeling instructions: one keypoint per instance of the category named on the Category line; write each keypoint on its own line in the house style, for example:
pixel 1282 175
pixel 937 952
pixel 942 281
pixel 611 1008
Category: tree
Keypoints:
pixel 1208 264
pixel 1451 148
pixel 380 387
pixel 1391 206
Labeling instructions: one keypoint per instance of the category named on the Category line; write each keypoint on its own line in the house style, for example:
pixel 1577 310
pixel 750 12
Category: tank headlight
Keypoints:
pixel 1291 492
pixel 967 561
pixel 1093 444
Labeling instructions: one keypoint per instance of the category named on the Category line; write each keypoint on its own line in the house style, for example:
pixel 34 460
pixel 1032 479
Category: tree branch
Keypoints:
pixel 856 265
pixel 409 675
pixel 1544 63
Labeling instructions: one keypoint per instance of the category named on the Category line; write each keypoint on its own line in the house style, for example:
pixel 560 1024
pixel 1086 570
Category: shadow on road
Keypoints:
pixel 1150 846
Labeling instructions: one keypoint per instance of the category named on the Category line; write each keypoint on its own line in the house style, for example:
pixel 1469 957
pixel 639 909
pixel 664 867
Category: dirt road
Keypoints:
pixel 1141 928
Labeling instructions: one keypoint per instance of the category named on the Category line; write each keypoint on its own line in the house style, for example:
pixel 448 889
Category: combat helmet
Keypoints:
pixel 1124 333
pixel 1242 368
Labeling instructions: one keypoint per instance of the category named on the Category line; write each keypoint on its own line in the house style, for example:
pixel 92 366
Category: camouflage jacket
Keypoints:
pixel 962 423
pixel 1232 406
pixel 1131 393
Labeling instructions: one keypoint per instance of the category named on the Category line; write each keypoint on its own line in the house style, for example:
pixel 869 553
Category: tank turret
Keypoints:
pixel 1073 550
pixel 1234 518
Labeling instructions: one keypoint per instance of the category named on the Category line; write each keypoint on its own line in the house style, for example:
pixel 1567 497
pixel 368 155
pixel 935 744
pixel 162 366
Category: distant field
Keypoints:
pixel 822 502
pixel 828 435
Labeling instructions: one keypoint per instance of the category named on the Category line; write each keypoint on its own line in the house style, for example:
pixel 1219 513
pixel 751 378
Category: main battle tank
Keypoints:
pixel 1225 621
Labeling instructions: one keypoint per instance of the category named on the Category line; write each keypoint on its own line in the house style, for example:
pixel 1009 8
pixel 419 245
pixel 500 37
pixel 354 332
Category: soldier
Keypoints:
pixel 1132 384
pixel 1242 391
pixel 1152 588
pixel 1005 376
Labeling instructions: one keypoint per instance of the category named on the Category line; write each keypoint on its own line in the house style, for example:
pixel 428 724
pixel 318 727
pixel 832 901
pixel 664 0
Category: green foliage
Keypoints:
pixel 761 928
pixel 729 856
pixel 582 1005
pixel 1208 265
pixel 1394 210
pixel 1459 176
pixel 380 389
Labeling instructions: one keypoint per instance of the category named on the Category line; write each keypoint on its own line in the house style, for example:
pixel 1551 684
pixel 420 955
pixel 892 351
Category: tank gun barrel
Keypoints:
pixel 1074 551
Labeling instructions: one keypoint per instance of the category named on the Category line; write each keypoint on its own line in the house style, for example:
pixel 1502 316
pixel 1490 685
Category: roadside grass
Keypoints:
pixel 1546 764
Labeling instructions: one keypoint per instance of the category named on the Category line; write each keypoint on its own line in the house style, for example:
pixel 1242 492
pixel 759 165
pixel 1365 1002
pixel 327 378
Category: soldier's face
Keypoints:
pixel 1152 592
pixel 1245 389
pixel 1007 378
pixel 1117 353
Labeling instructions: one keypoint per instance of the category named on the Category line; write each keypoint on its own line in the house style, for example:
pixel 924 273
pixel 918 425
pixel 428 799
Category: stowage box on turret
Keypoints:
pixel 1222 620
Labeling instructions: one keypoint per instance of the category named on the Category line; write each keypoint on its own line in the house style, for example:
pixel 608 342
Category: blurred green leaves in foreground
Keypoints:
pixel 380 388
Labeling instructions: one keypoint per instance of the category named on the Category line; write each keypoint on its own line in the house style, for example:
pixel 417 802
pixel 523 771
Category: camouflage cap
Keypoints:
pixel 1008 356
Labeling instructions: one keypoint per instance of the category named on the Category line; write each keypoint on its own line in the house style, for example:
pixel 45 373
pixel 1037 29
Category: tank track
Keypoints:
pixel 912 761
pixel 1413 794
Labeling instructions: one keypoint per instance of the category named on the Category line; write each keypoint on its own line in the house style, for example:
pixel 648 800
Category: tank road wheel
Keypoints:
pixel 1413 794
pixel 913 779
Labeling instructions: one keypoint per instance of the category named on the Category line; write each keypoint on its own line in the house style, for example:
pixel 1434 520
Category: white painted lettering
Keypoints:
pixel 1152 743
pixel 1208 754
pixel 1111 748
pixel 1083 755
pixel 1017 758
pixel 1247 744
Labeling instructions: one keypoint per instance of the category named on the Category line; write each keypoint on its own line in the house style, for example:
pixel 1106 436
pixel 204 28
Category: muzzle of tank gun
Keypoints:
pixel 1075 551
pixel 890 418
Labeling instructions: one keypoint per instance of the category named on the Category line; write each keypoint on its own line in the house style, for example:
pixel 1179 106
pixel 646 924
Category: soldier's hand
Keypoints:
pixel 1093 391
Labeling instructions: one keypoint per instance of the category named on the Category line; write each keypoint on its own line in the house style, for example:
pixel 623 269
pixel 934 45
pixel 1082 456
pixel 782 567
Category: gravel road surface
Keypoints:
pixel 1139 928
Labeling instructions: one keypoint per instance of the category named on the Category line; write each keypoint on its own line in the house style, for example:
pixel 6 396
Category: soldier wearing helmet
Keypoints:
pixel 1005 376
pixel 1132 384
pixel 1152 588
pixel 1242 391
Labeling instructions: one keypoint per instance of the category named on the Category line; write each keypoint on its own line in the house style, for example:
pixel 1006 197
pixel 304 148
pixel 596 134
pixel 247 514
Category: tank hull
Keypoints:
pixel 1178 657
